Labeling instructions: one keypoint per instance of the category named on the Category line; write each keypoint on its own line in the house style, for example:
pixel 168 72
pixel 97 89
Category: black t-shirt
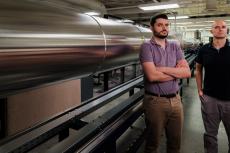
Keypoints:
pixel 216 65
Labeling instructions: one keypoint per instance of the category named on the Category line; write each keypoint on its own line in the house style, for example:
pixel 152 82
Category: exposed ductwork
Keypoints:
pixel 91 5
pixel 211 5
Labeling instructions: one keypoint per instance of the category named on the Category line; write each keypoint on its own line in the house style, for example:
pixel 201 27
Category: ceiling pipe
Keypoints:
pixel 91 5
pixel 125 11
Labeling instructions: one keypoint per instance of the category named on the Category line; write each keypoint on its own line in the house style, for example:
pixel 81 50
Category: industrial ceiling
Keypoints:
pixel 200 12
pixel 195 9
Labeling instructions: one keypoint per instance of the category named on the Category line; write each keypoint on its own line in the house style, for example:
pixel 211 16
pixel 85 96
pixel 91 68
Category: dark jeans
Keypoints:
pixel 213 112
pixel 163 114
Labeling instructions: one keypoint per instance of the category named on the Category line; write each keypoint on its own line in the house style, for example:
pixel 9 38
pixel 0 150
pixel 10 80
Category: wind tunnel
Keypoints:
pixel 40 43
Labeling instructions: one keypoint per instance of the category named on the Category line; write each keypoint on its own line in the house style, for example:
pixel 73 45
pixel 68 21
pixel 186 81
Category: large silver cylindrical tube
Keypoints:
pixel 41 43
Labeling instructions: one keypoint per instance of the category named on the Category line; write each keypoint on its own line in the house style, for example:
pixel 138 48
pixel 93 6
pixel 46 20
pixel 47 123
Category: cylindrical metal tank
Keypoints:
pixel 41 43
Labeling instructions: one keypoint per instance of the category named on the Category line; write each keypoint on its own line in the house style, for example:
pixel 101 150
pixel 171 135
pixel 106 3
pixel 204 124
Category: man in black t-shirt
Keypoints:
pixel 214 91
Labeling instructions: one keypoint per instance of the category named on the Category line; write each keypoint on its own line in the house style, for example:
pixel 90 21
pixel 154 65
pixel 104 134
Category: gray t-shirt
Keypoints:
pixel 152 52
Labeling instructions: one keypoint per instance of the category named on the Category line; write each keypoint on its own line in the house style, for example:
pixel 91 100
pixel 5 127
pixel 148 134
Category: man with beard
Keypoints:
pixel 163 64
pixel 214 58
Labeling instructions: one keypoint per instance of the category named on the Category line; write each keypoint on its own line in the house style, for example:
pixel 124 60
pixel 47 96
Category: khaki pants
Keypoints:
pixel 163 115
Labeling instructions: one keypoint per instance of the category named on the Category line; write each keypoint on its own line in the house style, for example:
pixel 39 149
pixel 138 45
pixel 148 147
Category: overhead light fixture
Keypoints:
pixel 192 29
pixel 158 6
pixel 209 21
pixel 92 13
pixel 183 23
pixel 178 17
pixel 126 21
pixel 197 25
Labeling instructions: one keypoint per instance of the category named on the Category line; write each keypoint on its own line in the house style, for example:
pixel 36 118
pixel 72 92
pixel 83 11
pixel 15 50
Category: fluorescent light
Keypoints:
pixel 183 23
pixel 196 25
pixel 157 6
pixel 126 21
pixel 209 21
pixel 192 29
pixel 92 13
pixel 178 17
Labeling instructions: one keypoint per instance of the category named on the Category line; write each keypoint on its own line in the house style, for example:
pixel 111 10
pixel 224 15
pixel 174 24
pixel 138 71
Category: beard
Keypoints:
pixel 159 35
pixel 223 37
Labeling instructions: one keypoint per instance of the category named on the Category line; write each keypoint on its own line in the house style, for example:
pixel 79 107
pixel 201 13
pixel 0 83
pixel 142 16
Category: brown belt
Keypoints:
pixel 158 95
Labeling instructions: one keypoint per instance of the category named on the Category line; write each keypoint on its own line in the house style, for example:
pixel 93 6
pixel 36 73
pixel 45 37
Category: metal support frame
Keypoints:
pixel 106 81
pixel 191 61
pixel 86 88
pixel 131 92
pixel 134 70
pixel 75 124
pixel 122 75
pixel 3 105
pixel 31 138
pixel 106 74
pixel 110 130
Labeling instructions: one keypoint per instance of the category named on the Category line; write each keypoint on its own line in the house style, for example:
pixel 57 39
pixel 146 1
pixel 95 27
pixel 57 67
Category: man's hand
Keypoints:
pixel 200 92
pixel 182 63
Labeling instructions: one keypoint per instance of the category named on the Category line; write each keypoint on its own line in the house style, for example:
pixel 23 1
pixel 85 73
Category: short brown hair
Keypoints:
pixel 154 18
